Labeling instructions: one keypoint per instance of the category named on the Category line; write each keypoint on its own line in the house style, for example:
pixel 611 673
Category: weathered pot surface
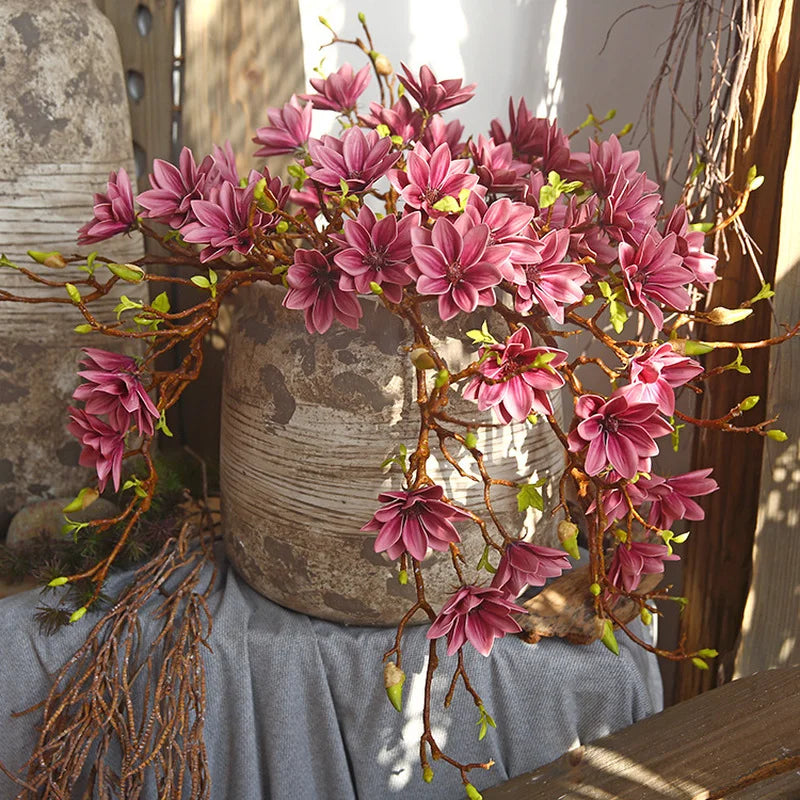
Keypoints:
pixel 306 422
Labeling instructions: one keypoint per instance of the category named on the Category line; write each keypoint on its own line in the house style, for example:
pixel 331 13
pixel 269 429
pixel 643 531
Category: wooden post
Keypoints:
pixel 146 34
pixel 242 56
pixel 771 627
pixel 719 553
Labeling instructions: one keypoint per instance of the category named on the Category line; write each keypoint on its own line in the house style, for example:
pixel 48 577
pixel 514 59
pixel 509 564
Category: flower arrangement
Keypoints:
pixel 560 242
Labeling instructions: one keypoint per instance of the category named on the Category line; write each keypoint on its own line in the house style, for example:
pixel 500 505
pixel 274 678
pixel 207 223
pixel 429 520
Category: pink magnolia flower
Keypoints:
pixel 413 520
pixel 400 119
pixel 619 433
pixel 614 504
pixel 652 274
pixel 174 188
pixel 457 263
pixel 657 373
pixel 629 211
pixel 539 140
pixel 358 158
pixel 548 279
pixel 689 246
pixel 376 251
pixel 223 221
pixel 497 170
pixel 606 161
pixel 222 168
pixel 475 615
pixel 432 95
pixel 102 446
pixel 440 132
pixel 524 375
pixel 525 564
pixel 340 90
pixel 508 225
pixel 113 387
pixel 113 211
pixel 288 130
pixel 314 288
pixel 429 177
pixel 672 496
pixel 633 560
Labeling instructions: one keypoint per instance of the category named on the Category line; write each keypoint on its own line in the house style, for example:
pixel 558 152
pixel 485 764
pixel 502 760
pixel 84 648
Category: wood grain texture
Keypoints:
pixel 147 51
pixel 719 553
pixel 695 750
pixel 242 56
pixel 771 627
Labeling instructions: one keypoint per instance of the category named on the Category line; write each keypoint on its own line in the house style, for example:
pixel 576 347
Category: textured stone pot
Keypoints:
pixel 64 126
pixel 306 422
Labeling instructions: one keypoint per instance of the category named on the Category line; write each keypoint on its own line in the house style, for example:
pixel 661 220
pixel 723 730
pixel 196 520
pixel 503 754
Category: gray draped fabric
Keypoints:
pixel 297 710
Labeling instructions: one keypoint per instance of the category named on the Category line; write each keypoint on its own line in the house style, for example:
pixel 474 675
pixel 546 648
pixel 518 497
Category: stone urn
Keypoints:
pixel 64 125
pixel 307 421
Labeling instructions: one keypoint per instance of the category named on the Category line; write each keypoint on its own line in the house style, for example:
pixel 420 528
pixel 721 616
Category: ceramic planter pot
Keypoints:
pixel 64 125
pixel 307 421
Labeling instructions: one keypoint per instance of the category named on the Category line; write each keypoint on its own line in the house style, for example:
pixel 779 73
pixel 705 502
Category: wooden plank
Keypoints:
pixel 719 553
pixel 771 626
pixel 146 33
pixel 701 749
pixel 241 56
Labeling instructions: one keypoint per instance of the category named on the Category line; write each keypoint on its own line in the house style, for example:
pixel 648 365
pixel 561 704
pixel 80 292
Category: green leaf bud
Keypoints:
pixel 595 589
pixel 78 614
pixel 421 358
pixel 393 680
pixel 85 498
pixel 127 272
pixel 727 316
pixel 707 652
pixel 56 582
pixel 427 774
pixel 402 578
pixel 749 402
pixel 472 792
pixel 646 616
pixel 608 638
pixel 471 440
pixel 52 258
pixel 73 292
pixel 568 536
pixel 699 663
pixel 442 376
pixel 85 328
pixel 777 435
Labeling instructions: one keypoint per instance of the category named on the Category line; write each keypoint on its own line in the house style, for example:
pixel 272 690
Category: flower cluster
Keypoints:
pixel 547 236
pixel 112 388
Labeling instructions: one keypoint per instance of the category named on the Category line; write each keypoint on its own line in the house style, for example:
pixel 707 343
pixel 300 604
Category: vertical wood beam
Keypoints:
pixel 719 553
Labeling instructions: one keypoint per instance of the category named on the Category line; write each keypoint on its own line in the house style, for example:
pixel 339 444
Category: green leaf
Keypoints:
pixel 85 328
pixel 618 315
pixel 161 425
pixel 126 304
pixel 547 196
pixel 84 499
pixel 529 496
pixel 707 653
pixel 383 130
pixel 756 182
pixel 703 227
pixel 764 293
pixel 482 336
pixel 680 538
pixel 484 561
pixel 161 303
pixel 699 663
pixel 448 205
pixel 4 262
pixel 201 281
pixel 605 289
pixel 699 166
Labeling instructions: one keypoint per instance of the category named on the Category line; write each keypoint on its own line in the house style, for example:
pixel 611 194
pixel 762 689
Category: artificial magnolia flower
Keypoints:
pixel 288 131
pixel 633 560
pixel 340 90
pixel 112 386
pixel 520 375
pixel 314 288
pixel 525 564
pixel 432 95
pixel 619 433
pixel 413 520
pixel 102 446
pixel 113 211
pixel 475 615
